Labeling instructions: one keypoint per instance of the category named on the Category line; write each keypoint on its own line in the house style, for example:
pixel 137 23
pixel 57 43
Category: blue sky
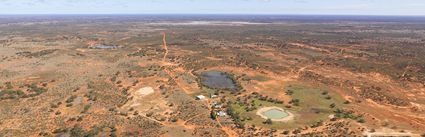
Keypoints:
pixel 333 7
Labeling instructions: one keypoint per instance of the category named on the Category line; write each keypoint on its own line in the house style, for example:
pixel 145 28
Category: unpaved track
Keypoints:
pixel 164 41
pixel 164 63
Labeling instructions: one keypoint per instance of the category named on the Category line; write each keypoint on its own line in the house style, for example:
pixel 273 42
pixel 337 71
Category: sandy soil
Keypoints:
pixel 144 91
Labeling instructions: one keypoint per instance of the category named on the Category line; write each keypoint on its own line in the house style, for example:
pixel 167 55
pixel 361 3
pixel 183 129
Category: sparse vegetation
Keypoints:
pixel 13 93
pixel 331 75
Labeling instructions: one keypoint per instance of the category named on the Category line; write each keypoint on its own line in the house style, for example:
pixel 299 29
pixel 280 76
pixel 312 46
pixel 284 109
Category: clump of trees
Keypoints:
pixel 347 102
pixel 213 115
pixel 235 116
pixel 91 95
pixel 12 93
pixel 268 121
pixel 317 124
pixel 139 53
pixel 340 113
pixel 289 92
pixel 70 100
pixel 78 131
pixel 295 102
pixel 265 98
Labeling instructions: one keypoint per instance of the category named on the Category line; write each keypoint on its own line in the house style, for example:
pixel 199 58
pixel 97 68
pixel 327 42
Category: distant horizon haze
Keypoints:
pixel 221 7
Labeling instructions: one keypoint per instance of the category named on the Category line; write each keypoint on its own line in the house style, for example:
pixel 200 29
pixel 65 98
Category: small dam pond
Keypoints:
pixel 275 114
pixel 218 80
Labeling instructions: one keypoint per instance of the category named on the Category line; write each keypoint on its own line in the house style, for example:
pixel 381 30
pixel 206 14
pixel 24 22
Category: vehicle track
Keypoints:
pixel 164 41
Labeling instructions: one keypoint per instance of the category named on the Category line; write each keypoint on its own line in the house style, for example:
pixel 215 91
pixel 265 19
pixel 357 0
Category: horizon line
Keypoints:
pixel 248 14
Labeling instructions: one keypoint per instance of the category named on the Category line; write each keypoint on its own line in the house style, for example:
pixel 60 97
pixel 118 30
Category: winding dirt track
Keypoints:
pixel 164 63
pixel 164 41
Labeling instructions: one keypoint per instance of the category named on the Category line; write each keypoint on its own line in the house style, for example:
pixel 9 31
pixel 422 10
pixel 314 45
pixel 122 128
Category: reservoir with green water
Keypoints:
pixel 275 114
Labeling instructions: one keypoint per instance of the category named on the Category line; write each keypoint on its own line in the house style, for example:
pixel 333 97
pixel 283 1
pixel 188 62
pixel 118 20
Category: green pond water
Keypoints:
pixel 275 114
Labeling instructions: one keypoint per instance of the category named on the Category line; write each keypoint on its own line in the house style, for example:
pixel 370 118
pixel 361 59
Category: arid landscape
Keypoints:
pixel 195 75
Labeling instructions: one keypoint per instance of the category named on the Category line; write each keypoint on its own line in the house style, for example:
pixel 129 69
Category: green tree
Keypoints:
pixel 9 85
pixel 77 131
pixel 213 115
pixel 268 121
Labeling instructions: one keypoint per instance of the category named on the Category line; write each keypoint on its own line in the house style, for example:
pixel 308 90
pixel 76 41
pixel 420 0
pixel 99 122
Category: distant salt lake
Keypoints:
pixel 105 47
pixel 224 23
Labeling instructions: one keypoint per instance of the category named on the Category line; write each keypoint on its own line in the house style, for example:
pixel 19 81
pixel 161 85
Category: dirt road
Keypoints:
pixel 164 41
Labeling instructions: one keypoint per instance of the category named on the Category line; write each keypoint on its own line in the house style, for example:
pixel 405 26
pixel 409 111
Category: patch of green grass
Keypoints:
pixel 205 91
pixel 315 104
pixel 251 118
pixel 311 97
